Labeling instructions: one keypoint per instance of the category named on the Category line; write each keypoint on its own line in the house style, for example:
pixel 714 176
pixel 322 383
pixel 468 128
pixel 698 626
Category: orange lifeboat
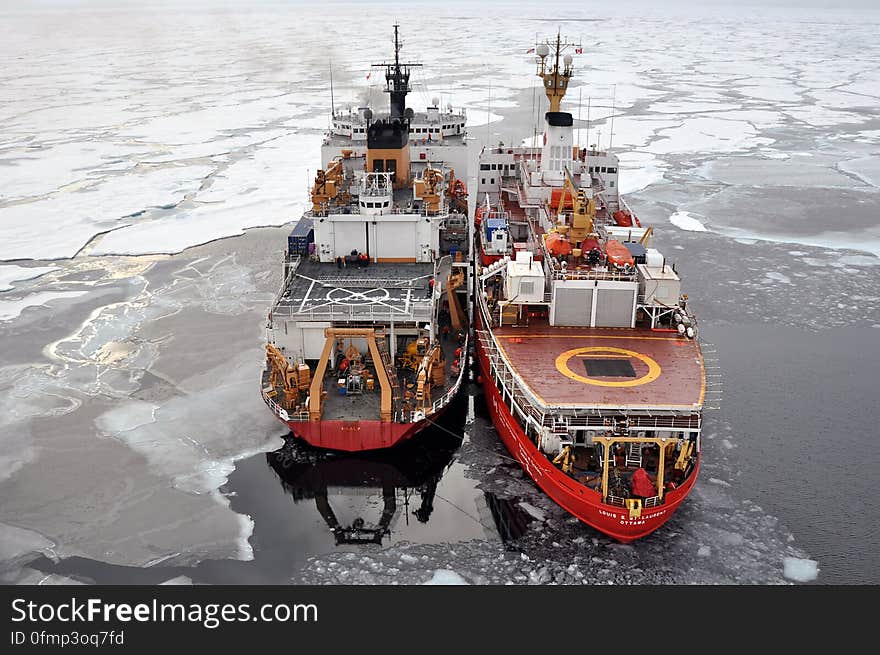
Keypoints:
pixel 555 195
pixel 557 244
pixel 623 218
pixel 618 254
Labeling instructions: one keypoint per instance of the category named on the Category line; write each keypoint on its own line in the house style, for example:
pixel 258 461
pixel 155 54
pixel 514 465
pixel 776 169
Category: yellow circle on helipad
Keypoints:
pixel 562 366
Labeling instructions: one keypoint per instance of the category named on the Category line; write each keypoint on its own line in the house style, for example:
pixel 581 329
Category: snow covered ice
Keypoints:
pixel 801 570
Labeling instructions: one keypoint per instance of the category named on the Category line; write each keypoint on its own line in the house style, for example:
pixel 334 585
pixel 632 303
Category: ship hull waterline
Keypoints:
pixel 579 501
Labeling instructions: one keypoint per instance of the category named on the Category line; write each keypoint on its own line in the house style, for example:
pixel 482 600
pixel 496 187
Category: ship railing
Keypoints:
pixel 571 274
pixel 371 282
pixel 620 501
pixel 617 501
pixel 447 397
pixel 369 313
pixel 282 413
pixel 632 423
pixel 291 262
pixel 514 387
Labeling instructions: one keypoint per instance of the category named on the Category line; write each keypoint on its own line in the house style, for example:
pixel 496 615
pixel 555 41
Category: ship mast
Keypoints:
pixel 555 79
pixel 397 79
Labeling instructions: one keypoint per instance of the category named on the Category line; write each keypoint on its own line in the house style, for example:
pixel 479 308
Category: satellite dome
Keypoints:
pixel 567 59
pixel 368 113
pixel 409 113
pixel 435 101
pixel 543 50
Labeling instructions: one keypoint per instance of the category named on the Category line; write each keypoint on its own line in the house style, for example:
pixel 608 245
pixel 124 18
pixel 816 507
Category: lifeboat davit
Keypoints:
pixel 557 244
pixel 618 254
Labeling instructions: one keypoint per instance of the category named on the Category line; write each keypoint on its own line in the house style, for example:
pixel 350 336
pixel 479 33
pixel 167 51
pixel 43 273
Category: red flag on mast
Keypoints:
pixel 530 51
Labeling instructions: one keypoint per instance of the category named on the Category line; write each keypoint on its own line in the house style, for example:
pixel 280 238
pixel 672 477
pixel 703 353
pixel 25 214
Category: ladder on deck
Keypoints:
pixel 634 455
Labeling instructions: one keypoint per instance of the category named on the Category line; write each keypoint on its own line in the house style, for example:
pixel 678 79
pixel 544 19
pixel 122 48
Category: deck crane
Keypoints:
pixel 453 282
pixel 283 375
pixel 432 371
pixel 583 210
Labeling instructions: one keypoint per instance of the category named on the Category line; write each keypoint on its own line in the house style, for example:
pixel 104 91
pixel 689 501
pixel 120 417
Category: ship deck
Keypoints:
pixel 606 367
pixel 378 291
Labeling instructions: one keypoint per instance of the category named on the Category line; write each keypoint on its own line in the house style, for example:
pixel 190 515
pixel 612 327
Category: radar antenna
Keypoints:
pixel 397 79
pixel 555 78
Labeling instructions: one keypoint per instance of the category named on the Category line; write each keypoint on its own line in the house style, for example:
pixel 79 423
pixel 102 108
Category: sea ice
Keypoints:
pixel 59 226
pixel 799 569
pixel 687 106
pixel 707 134
pixel 866 168
pixel 776 276
pixel 446 577
pixel 179 580
pixel 10 309
pixel 639 170
pixel 533 511
pixel 15 541
pixel 11 273
pixel 684 221
pixel 477 117
pixel 252 192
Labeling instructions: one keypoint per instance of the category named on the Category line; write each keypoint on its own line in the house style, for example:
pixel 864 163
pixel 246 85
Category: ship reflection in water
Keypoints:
pixel 405 478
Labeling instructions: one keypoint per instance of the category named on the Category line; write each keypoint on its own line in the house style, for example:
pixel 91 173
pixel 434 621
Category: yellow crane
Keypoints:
pixel 282 374
pixel 453 282
pixel 328 187
pixel 432 371
pixel 583 210
pixel 317 383
pixel 429 186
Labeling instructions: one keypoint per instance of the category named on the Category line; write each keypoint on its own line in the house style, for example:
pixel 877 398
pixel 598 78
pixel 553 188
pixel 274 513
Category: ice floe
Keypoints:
pixel 707 134
pixel 446 577
pixel 639 170
pixel 800 569
pixel 15 541
pixel 685 221
pixel 10 309
pixel 11 273
pixel 866 168
pixel 60 225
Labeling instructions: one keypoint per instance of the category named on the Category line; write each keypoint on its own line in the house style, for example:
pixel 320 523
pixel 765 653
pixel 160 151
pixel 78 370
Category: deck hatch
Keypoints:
pixel 609 368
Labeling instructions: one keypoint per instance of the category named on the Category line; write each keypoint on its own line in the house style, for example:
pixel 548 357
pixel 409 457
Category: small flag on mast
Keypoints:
pixel 530 51
pixel 578 51
pixel 368 74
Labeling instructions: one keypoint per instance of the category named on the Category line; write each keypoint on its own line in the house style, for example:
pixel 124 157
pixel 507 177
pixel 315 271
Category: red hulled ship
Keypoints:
pixel 587 350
